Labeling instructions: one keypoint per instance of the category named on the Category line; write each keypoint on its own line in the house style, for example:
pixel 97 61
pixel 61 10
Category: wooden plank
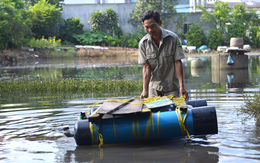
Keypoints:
pixel 131 107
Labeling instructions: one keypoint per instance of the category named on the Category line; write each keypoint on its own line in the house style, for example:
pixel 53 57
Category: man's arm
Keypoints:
pixel 146 80
pixel 179 72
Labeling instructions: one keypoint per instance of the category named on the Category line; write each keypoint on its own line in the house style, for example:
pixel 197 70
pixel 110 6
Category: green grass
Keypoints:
pixel 62 53
pixel 67 86
pixel 251 108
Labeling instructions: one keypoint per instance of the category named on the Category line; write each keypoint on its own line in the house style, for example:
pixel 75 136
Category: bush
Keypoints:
pixel 215 38
pixel 44 43
pixel 92 38
pixel 71 26
pixel 194 35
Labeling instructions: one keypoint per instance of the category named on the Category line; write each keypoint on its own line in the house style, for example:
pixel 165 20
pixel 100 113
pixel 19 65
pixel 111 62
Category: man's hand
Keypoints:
pixel 184 93
pixel 144 95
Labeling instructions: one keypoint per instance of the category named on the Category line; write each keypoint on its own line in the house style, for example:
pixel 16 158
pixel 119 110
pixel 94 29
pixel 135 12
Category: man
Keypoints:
pixel 160 52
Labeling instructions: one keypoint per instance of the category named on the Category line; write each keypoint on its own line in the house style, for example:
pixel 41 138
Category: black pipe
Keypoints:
pixel 205 120
pixel 82 132
pixel 197 103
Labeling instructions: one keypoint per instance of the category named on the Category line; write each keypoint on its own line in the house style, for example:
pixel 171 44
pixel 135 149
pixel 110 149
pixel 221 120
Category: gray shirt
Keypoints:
pixel 161 60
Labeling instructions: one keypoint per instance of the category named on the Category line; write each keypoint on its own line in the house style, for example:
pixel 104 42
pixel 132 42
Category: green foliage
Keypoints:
pixel 97 21
pixel 45 19
pixel 234 22
pixel 220 15
pixel 194 35
pixel 92 38
pixel 71 27
pixel 254 36
pixel 251 108
pixel 132 39
pixel 238 29
pixel 18 4
pixel 215 38
pixel 165 7
pixel 7 12
pixel 57 3
pixel 106 22
pixel 132 43
pixel 111 20
pixel 14 24
pixel 56 84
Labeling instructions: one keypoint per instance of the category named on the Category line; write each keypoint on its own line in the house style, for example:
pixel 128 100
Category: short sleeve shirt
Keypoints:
pixel 161 60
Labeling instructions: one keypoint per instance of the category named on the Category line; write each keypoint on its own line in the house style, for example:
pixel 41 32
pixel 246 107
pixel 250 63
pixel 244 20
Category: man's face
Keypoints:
pixel 152 27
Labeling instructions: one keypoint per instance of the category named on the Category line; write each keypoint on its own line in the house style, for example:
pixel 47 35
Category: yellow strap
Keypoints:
pixel 181 121
pixel 92 106
pixel 92 133
pixel 148 128
pixel 138 128
pixel 114 124
pixel 153 125
pixel 134 132
pixel 158 115
pixel 99 136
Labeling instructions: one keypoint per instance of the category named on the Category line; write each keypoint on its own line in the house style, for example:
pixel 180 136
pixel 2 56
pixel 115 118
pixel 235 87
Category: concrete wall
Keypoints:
pixel 193 18
pixel 123 10
pixel 83 11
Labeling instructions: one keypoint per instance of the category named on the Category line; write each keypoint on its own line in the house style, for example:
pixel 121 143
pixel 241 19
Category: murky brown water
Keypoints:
pixel 30 126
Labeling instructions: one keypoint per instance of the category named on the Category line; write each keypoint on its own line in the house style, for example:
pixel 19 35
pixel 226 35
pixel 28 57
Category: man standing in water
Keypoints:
pixel 160 52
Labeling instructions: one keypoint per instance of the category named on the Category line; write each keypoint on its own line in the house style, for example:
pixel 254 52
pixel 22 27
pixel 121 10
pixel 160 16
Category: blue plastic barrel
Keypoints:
pixel 162 125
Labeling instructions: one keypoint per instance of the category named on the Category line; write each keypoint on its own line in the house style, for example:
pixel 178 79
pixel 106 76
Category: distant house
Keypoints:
pixel 247 3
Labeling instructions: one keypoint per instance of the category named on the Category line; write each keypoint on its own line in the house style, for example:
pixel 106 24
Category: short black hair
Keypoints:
pixel 151 14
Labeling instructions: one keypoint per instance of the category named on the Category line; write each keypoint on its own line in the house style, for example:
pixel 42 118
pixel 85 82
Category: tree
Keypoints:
pixel 58 3
pixel 7 12
pixel 111 19
pixel 45 20
pixel 14 24
pixel 220 15
pixel 165 7
pixel 194 35
pixel 97 21
pixel 233 22
pixel 106 22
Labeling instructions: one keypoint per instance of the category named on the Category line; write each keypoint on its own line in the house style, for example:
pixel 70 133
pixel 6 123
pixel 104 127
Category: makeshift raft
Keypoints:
pixel 129 121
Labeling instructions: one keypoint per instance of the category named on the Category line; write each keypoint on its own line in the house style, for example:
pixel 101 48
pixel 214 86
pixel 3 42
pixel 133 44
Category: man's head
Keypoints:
pixel 151 14
pixel 152 22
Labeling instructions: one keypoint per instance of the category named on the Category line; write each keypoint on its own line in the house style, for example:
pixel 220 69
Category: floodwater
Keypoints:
pixel 30 127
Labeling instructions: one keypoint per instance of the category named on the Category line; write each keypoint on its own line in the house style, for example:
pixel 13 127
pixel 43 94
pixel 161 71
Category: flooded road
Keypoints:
pixel 30 127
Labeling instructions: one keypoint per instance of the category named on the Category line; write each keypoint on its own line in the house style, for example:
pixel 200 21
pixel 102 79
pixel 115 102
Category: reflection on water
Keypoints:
pixel 30 127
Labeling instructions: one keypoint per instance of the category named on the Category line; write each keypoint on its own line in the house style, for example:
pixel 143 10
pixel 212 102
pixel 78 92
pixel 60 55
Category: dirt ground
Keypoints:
pixel 22 54
pixel 16 55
